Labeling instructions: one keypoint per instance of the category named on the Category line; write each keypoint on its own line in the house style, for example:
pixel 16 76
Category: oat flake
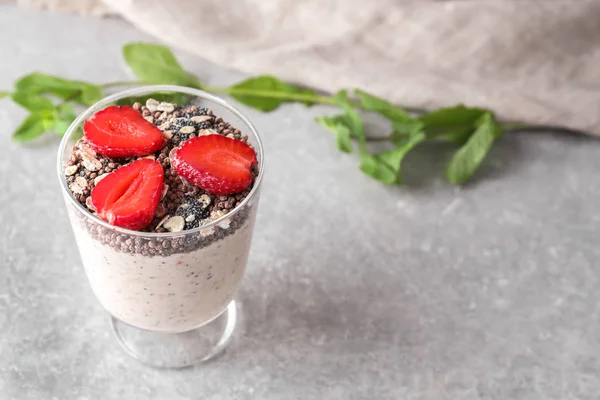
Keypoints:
pixel 75 188
pixel 187 129
pixel 80 180
pixel 174 224
pixel 203 132
pixel 70 170
pixel 167 107
pixel 200 118
pixel 152 105
pixel 91 164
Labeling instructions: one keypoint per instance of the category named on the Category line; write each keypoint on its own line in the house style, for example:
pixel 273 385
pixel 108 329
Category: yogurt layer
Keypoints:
pixel 175 293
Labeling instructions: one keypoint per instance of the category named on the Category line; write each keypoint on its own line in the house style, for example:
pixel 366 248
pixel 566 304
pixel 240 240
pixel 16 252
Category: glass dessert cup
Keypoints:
pixel 170 295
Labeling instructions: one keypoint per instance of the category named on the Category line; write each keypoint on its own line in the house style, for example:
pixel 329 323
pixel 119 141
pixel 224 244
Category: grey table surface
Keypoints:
pixel 354 290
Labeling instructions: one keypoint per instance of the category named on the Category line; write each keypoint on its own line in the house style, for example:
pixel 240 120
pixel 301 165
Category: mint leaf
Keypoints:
pixel 91 94
pixel 406 128
pixel 454 123
pixel 458 136
pixel 64 117
pixel 470 156
pixel 393 158
pixel 338 125
pixel 34 125
pixel 403 124
pixel 38 82
pixel 375 168
pixel 5 94
pixel 457 116
pixel 266 93
pixel 81 92
pixel 383 107
pixel 352 119
pixel 153 63
pixel 32 101
pixel 399 137
pixel 385 166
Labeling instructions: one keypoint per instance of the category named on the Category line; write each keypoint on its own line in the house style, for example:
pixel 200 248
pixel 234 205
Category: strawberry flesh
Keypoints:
pixel 215 163
pixel 128 197
pixel 121 131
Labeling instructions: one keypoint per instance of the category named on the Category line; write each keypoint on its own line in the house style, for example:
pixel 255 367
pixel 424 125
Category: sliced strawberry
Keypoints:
pixel 121 131
pixel 217 164
pixel 128 197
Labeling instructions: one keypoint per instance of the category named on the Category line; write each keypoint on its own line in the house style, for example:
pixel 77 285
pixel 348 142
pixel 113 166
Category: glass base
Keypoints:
pixel 177 350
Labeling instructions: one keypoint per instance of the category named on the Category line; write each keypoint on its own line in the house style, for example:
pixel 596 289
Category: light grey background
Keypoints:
pixel 354 290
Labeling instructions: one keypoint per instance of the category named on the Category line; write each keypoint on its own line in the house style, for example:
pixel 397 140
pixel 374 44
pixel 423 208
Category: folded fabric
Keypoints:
pixel 535 61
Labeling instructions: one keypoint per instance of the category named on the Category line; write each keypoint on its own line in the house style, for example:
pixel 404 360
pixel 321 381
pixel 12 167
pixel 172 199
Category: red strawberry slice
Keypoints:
pixel 217 164
pixel 128 197
pixel 121 131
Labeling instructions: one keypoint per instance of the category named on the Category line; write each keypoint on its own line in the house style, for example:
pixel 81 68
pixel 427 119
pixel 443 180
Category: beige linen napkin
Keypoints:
pixel 537 61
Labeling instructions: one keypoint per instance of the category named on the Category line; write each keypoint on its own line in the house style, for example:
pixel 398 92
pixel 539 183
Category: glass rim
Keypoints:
pixel 147 89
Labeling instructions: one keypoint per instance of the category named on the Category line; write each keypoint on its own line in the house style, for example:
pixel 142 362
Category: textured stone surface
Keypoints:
pixel 353 291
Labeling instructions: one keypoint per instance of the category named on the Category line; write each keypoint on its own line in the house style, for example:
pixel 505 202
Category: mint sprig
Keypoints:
pixel 469 157
pixel 50 101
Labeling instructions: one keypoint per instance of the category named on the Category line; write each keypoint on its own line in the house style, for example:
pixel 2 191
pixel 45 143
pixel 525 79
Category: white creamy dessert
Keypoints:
pixel 172 293
pixel 158 267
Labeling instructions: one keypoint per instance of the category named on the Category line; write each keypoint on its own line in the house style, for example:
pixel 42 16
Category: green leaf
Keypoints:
pixel 399 137
pixel 406 128
pixel 5 94
pixel 38 82
pixel 34 125
pixel 352 119
pixel 393 158
pixel 457 116
pixel 385 166
pixel 91 94
pixel 403 125
pixel 383 107
pixel 81 92
pixel 470 156
pixel 375 168
pixel 32 101
pixel 153 63
pixel 458 136
pixel 338 125
pixel 266 93
pixel 454 123
pixel 65 116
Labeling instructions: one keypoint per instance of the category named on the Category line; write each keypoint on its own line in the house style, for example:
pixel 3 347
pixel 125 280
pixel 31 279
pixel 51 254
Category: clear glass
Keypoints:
pixel 170 295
